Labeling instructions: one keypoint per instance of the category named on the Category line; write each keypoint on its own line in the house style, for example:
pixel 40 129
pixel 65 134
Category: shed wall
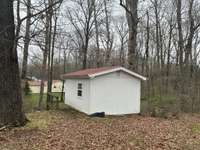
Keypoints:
pixel 116 93
pixel 71 97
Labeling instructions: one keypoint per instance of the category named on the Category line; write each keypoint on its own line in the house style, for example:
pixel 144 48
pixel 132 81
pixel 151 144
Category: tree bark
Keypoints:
pixel 50 77
pixel 169 48
pixel 188 47
pixel 108 37
pixel 132 18
pixel 97 36
pixel 147 53
pixel 45 56
pixel 26 41
pixel 87 32
pixel 49 43
pixel 180 34
pixel 157 32
pixel 147 44
pixel 11 113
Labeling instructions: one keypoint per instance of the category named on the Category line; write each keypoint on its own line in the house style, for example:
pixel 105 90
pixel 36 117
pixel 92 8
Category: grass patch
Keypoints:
pixel 138 142
pixel 30 102
pixel 158 106
pixel 196 128
pixel 39 120
pixel 161 101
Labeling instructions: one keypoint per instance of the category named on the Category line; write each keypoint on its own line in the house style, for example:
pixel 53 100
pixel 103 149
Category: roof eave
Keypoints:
pixel 119 69
pixel 75 77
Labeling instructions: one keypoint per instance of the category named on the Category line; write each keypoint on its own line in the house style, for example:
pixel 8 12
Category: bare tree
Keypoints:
pixel 180 33
pixel 109 37
pixel 82 20
pixel 122 31
pixel 97 35
pixel 132 19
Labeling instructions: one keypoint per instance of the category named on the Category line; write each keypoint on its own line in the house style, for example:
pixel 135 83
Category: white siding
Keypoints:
pixel 71 97
pixel 115 93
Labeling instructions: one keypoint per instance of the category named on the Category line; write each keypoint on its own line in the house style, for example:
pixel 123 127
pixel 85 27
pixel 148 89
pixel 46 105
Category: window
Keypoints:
pixel 79 85
pixel 80 88
pixel 79 93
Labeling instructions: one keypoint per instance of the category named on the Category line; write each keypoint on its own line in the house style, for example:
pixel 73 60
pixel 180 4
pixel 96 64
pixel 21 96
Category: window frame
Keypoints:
pixel 80 90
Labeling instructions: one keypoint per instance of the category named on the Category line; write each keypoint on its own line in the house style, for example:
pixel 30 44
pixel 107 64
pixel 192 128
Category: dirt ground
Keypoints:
pixel 68 130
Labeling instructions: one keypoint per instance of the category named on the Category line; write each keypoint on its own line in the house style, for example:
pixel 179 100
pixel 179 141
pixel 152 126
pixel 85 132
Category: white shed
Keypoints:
pixel 113 90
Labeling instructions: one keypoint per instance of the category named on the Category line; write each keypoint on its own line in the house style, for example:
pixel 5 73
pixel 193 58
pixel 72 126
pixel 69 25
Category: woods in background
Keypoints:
pixel 155 38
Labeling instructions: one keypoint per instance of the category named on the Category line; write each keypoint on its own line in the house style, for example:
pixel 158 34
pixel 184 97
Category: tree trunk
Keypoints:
pixel 10 89
pixel 108 38
pixel 26 41
pixel 180 34
pixel 97 37
pixel 147 53
pixel 157 33
pixel 50 80
pixel 169 48
pixel 188 48
pixel 49 83
pixel 147 45
pixel 44 63
pixel 132 18
pixel 169 53
pixel 64 71
pixel 18 26
pixel 85 53
pixel 121 53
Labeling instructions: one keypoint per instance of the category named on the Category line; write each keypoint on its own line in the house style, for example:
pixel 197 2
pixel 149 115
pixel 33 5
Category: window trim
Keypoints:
pixel 80 90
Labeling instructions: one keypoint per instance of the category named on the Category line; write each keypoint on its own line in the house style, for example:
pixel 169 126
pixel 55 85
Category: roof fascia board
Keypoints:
pixel 118 69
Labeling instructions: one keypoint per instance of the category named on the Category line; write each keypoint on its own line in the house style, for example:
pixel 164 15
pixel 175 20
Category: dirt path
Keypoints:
pixel 71 130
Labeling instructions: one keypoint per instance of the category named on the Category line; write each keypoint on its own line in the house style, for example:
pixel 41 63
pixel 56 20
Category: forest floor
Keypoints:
pixel 68 129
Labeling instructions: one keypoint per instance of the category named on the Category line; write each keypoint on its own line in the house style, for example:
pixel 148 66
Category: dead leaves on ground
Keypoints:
pixel 62 131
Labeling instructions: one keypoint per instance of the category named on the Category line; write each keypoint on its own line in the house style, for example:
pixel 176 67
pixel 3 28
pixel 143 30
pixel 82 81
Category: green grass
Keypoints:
pixel 139 142
pixel 160 106
pixel 196 128
pixel 40 120
pixel 30 102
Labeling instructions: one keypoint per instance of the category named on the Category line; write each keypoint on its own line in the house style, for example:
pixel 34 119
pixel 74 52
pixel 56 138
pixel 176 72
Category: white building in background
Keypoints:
pixel 113 90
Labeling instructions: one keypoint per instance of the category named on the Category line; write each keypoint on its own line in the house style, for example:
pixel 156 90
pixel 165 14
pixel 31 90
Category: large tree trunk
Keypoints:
pixel 26 41
pixel 132 18
pixel 10 89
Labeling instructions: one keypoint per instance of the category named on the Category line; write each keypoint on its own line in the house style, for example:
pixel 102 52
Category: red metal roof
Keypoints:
pixel 85 73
